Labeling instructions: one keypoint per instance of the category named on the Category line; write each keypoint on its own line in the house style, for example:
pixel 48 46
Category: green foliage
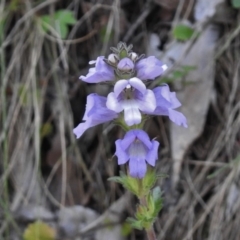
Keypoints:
pixel 131 184
pixel 39 231
pixel 182 32
pixel 178 74
pixel 126 229
pixel 137 224
pixel 149 180
pixel 59 22
pixel 147 212
pixel 235 3
pixel 156 201
pixel 139 187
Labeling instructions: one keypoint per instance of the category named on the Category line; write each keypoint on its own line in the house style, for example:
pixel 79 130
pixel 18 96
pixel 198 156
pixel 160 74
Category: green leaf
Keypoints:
pixel 182 32
pixel 116 179
pixel 62 29
pixel 39 231
pixel 135 223
pixel 59 21
pixel 236 3
pixel 157 197
pixel 128 182
pixel 65 16
pixel 126 229
pixel 149 180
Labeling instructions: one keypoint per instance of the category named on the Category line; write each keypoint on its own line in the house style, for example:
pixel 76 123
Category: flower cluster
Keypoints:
pixel 129 103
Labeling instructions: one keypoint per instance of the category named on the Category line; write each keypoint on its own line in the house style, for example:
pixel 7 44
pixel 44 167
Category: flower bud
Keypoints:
pixel 133 56
pixel 112 58
pixel 125 64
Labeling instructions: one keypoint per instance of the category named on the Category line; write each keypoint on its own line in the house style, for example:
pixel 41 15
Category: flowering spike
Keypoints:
pixel 129 105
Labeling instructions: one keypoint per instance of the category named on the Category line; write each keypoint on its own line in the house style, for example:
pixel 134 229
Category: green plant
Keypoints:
pixel 58 22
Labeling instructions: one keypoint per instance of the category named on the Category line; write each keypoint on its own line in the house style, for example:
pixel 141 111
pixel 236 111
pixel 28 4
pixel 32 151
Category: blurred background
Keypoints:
pixel 55 185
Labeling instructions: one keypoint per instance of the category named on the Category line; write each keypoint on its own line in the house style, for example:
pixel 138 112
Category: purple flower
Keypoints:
pixel 166 103
pixel 131 96
pixel 125 64
pixel 137 148
pixel 150 68
pixel 96 113
pixel 102 72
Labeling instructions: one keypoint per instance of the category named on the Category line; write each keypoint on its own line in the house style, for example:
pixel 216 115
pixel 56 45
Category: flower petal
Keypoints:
pixel 137 167
pixel 148 103
pixel 125 64
pixel 143 137
pixel 120 153
pixel 175 102
pixel 178 118
pixel 113 104
pixel 132 114
pixel 149 68
pixel 152 155
pixel 138 84
pixel 101 73
pixel 128 139
pixel 96 113
pixel 119 86
pixel 81 128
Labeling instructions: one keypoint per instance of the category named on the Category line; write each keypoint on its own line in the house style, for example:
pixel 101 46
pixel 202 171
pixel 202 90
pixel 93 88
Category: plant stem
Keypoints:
pixel 151 234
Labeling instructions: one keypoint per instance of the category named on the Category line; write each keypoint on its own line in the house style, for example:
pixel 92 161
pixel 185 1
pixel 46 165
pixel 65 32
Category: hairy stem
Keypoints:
pixel 151 234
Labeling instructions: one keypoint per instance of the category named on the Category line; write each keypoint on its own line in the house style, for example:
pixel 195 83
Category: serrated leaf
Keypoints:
pixel 135 223
pixel 115 179
pixel 235 3
pixel 182 32
pixel 131 184
pixel 39 231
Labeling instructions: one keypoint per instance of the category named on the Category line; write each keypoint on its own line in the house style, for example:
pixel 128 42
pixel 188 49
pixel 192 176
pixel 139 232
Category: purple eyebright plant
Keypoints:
pixel 129 105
